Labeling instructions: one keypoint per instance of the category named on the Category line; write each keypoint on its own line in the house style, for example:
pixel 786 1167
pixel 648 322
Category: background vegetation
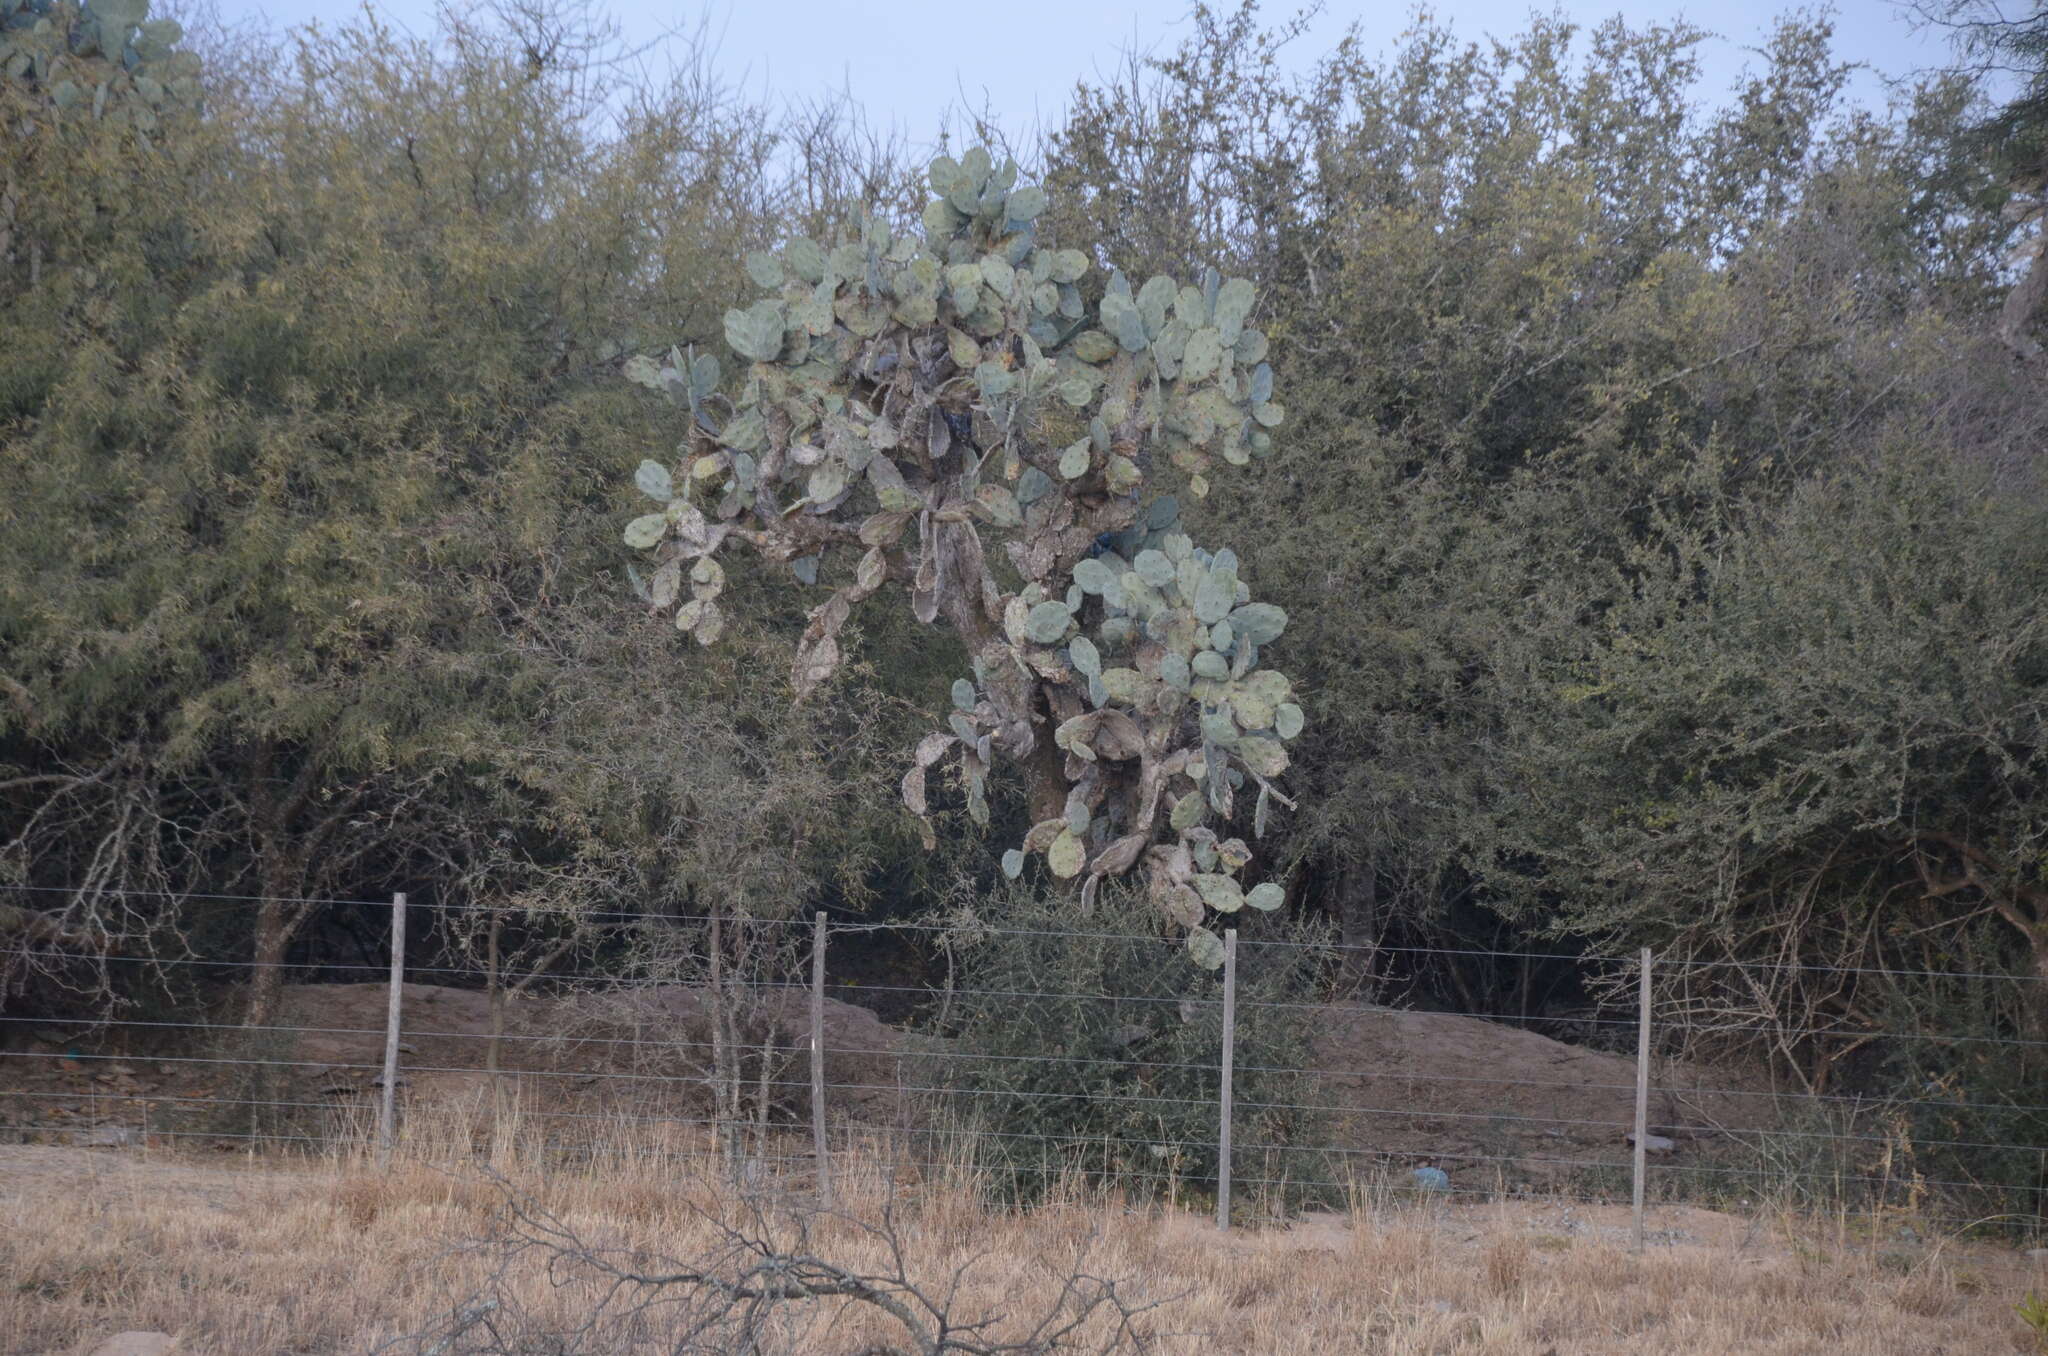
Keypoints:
pixel 1660 515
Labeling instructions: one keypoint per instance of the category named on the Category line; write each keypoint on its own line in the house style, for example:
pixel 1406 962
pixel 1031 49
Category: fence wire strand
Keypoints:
pixel 940 1076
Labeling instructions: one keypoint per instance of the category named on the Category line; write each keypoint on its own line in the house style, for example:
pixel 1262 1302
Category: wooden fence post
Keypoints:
pixel 1229 1055
pixel 387 1113
pixel 1642 1092
pixel 818 1058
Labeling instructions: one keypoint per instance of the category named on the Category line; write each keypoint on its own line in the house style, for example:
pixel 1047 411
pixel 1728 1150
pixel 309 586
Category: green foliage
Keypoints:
pixel 1965 1110
pixel 2033 1311
pixel 1514 368
pixel 1655 531
pixel 2011 145
pixel 1858 689
pixel 1827 737
pixel 96 148
pixel 1944 1123
pixel 1098 1061
pixel 302 435
pixel 2014 47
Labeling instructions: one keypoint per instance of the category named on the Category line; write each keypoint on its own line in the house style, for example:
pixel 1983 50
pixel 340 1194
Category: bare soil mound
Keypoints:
pixel 1474 1097
pixel 645 1051
pixel 1465 1093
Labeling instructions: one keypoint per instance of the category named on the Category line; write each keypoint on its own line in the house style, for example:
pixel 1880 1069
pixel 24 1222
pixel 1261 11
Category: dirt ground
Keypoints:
pixel 241 1183
pixel 133 1194
pixel 248 1254
pixel 642 1054
pixel 1465 1093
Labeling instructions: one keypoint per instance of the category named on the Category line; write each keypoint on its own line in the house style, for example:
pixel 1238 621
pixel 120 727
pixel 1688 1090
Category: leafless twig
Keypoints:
pixel 777 1274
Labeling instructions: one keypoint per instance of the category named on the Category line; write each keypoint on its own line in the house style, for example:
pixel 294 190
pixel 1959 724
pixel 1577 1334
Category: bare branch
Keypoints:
pixel 761 1285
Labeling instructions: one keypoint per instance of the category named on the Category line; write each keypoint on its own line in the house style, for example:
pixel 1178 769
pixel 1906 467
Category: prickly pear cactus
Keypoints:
pixel 106 59
pixel 1164 717
pixel 903 400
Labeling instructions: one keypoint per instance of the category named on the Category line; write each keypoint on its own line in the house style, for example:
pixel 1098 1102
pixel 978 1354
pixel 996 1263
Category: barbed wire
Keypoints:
pixel 1761 1135
pixel 979 929
pixel 956 1081
pixel 937 994
pixel 581 1040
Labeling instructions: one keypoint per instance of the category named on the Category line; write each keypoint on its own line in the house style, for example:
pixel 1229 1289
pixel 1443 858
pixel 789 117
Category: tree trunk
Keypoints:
pixel 266 979
pixel 1357 925
pixel 2024 304
pixel 260 1046
pixel 278 915
pixel 2037 996
pixel 2024 907
pixel 1045 778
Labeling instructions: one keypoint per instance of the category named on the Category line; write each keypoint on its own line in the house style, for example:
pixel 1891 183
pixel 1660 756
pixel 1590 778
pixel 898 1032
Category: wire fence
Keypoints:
pixel 761 1044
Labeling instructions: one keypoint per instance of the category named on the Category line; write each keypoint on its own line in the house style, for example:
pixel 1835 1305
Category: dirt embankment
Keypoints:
pixel 1467 1092
pixel 1410 1087
pixel 643 1053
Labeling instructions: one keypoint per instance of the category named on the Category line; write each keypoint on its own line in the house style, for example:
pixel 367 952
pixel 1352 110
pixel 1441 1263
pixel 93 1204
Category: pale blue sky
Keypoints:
pixel 906 60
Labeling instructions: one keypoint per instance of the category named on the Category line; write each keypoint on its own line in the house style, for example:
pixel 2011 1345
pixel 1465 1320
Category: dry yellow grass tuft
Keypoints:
pixel 331 1255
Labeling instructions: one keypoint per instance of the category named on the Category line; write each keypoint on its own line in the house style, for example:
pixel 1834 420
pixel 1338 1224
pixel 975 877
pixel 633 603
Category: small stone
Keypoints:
pixel 107 1137
pixel 137 1344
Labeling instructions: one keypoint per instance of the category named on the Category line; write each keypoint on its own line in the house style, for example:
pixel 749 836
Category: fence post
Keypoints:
pixel 1229 1053
pixel 818 1058
pixel 387 1113
pixel 1642 1092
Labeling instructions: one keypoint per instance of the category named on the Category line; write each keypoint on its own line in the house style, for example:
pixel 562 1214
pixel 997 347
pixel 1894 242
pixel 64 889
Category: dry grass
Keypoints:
pixel 330 1255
